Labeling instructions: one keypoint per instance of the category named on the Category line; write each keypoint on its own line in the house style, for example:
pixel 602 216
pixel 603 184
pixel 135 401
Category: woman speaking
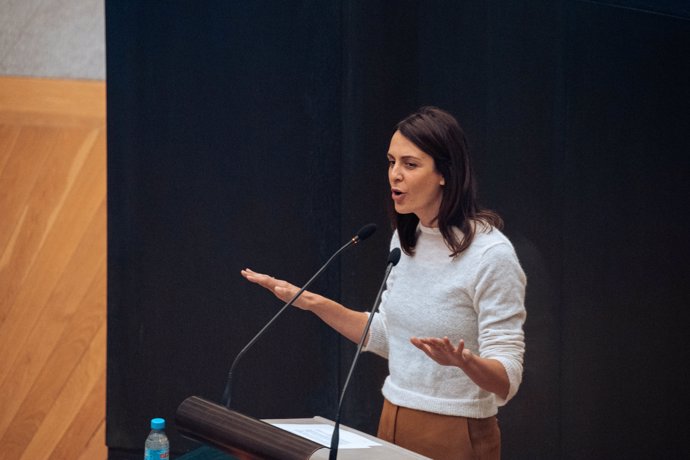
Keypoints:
pixel 450 321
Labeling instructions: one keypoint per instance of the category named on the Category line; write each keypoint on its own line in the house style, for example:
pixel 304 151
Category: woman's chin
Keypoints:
pixel 400 209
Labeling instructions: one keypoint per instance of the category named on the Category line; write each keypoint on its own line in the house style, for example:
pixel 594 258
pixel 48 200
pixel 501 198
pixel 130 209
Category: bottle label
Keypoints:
pixel 152 454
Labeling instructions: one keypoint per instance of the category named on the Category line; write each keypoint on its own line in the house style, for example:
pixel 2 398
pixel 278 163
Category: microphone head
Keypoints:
pixel 394 256
pixel 364 232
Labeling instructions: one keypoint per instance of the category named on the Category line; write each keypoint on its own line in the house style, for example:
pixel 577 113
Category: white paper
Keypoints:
pixel 321 433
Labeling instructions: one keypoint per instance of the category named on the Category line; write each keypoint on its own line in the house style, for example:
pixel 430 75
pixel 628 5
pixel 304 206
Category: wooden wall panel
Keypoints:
pixel 52 268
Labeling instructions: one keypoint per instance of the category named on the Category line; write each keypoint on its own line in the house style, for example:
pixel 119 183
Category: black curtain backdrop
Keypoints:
pixel 253 134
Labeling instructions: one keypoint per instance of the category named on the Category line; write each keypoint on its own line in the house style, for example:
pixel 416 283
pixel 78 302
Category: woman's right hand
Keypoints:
pixel 280 288
pixel 348 322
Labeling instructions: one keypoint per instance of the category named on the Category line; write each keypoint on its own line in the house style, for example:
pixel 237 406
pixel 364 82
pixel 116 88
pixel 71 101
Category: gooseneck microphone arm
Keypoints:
pixel 361 235
pixel 393 258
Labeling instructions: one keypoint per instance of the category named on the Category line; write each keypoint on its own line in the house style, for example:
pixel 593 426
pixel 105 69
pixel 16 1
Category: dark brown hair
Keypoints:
pixel 438 134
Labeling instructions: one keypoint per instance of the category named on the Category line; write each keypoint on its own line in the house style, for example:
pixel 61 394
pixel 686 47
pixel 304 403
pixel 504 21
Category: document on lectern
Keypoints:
pixel 321 433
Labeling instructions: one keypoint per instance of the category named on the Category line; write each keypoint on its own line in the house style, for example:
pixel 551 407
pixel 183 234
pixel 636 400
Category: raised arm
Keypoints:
pixel 349 323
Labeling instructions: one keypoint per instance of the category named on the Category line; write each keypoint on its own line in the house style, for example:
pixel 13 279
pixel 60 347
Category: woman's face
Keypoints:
pixel 416 185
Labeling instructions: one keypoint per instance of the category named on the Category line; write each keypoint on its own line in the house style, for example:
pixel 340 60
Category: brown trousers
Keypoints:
pixel 438 436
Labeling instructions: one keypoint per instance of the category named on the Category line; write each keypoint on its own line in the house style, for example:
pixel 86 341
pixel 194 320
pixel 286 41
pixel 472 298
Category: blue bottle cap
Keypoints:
pixel 157 423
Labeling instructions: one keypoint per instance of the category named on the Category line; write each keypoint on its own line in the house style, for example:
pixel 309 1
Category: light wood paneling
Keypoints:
pixel 52 269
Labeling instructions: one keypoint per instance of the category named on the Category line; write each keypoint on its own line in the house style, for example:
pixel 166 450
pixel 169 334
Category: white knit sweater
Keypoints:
pixel 477 296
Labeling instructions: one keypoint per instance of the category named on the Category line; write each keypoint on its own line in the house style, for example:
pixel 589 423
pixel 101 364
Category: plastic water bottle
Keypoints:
pixel 157 445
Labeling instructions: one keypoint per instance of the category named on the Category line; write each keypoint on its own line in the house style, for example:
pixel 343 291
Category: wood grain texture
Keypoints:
pixel 52 269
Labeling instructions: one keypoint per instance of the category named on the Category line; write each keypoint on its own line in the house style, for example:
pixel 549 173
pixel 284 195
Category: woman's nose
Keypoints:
pixel 394 174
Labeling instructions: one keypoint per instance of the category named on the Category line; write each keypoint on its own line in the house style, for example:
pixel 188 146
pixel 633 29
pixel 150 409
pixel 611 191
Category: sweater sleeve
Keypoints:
pixel 499 303
pixel 378 336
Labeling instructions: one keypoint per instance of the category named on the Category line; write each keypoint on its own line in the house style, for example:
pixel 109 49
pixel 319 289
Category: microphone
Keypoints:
pixel 363 233
pixel 393 259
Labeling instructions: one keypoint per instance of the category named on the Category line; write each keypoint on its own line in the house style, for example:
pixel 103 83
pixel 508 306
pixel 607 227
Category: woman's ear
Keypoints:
pixel 443 180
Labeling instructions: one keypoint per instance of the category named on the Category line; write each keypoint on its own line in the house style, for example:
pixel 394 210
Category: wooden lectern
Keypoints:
pixel 248 438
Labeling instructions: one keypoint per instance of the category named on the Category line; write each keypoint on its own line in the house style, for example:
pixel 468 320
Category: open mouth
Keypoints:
pixel 396 194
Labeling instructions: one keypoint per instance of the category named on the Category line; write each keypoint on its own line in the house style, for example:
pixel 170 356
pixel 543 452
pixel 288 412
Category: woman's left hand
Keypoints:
pixel 443 352
pixel 488 373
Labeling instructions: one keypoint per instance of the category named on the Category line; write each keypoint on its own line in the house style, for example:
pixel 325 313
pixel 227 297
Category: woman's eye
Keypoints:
pixel 411 165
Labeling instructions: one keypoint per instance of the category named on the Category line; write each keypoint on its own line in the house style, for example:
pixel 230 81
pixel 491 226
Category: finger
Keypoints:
pixel 447 345
pixel 423 340
pixel 264 280
pixel 422 345
pixel 251 274
pixel 440 344
pixel 419 343
pixel 433 347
